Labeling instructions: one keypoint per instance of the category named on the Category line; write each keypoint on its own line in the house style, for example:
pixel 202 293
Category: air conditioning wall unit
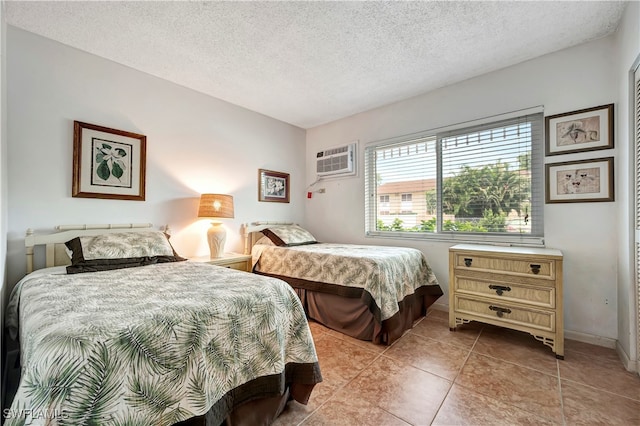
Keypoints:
pixel 338 161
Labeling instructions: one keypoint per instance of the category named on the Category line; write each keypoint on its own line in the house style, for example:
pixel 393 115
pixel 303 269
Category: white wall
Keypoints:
pixel 628 43
pixel 195 144
pixel 3 180
pixel 572 79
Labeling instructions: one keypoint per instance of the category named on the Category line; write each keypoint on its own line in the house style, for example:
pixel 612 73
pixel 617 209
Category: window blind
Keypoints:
pixel 473 182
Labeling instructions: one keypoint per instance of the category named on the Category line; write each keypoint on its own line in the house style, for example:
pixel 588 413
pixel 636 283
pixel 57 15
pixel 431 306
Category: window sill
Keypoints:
pixel 448 237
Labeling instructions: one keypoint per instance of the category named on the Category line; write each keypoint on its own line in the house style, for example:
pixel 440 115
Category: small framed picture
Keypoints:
pixel 273 186
pixel 108 163
pixel 580 181
pixel 578 131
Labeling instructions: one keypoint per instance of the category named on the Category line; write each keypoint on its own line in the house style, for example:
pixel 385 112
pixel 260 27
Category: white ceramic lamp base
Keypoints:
pixel 216 236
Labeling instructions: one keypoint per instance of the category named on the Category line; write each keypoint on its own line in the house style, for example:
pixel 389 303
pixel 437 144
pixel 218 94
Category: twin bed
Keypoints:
pixel 368 292
pixel 130 333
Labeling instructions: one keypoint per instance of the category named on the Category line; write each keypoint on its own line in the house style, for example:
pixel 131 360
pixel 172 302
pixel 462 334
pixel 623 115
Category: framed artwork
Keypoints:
pixel 580 181
pixel 108 163
pixel 273 186
pixel 578 131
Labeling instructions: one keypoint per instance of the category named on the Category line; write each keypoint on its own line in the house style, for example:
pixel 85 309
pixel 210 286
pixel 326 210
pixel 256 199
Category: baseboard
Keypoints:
pixel 606 342
pixel 628 363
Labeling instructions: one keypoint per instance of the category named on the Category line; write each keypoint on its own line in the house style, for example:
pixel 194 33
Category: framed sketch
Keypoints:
pixel 108 163
pixel 273 186
pixel 580 181
pixel 578 131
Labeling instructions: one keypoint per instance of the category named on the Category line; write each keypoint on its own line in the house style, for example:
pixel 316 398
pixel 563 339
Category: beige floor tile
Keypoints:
pixel 513 384
pixel 516 347
pixel 586 348
pixel 406 392
pixel 294 413
pixel 465 407
pixel 438 314
pixel 341 361
pixel 429 355
pixel 317 328
pixel 434 328
pixel 602 371
pixel 584 405
pixel 342 410
pixel 362 343
pixel 501 377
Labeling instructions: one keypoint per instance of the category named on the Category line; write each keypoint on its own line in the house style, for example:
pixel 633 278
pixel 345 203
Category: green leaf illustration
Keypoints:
pixel 103 171
pixel 121 152
pixel 53 386
pixel 117 170
pixel 107 146
pixel 95 393
pixel 151 394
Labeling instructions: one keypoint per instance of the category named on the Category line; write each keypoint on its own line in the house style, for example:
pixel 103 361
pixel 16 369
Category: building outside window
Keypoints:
pixel 480 182
pixel 383 207
pixel 407 204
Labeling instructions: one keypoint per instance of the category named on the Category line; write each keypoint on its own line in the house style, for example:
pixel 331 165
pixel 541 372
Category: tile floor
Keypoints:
pixel 478 375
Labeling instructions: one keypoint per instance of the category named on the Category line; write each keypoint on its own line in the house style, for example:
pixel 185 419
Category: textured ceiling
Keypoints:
pixel 309 63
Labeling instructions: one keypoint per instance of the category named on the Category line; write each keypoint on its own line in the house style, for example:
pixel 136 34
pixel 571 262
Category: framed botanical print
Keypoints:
pixel 578 131
pixel 273 186
pixel 108 163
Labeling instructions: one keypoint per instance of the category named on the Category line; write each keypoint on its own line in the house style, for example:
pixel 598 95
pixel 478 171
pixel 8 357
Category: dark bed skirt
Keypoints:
pixel 352 311
pixel 260 401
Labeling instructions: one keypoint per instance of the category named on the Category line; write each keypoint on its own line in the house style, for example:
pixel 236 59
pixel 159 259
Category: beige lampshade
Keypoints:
pixel 216 205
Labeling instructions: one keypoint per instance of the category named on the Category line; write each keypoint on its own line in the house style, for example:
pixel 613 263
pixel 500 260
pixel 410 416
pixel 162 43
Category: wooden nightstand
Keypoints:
pixel 241 262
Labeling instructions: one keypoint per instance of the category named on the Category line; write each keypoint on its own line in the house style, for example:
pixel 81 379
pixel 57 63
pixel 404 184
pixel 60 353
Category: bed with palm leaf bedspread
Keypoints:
pixel 368 292
pixel 157 344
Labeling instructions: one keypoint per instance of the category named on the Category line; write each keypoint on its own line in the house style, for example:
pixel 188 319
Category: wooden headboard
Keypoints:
pixel 55 250
pixel 252 232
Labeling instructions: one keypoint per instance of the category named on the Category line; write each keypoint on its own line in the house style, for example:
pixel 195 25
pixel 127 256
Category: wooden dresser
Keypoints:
pixel 515 287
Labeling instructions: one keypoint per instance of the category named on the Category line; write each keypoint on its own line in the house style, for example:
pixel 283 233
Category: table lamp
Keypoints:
pixel 216 206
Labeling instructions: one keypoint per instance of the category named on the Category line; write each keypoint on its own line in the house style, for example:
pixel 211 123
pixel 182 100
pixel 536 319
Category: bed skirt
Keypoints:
pixel 260 401
pixel 352 311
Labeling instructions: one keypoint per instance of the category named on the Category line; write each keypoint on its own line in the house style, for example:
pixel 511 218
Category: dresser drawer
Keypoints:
pixel 542 268
pixel 543 296
pixel 506 313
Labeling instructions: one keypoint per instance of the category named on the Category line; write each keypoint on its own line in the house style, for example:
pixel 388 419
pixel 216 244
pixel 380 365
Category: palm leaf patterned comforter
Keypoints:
pixel 151 345
pixel 388 274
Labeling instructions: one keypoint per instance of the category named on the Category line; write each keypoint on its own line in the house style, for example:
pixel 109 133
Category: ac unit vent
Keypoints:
pixel 336 161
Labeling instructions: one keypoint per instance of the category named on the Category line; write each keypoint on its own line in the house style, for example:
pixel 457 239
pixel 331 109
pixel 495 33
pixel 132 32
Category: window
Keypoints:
pixel 383 207
pixel 406 205
pixel 480 182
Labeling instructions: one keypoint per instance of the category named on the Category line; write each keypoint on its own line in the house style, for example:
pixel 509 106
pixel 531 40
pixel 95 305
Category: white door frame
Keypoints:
pixel 634 137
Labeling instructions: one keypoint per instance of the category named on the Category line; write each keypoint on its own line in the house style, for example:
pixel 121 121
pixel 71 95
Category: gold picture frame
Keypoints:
pixel 108 163
pixel 273 186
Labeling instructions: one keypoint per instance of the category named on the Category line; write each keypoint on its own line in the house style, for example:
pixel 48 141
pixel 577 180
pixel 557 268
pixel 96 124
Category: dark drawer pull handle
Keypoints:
pixel 467 261
pixel 535 268
pixel 500 311
pixel 499 288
